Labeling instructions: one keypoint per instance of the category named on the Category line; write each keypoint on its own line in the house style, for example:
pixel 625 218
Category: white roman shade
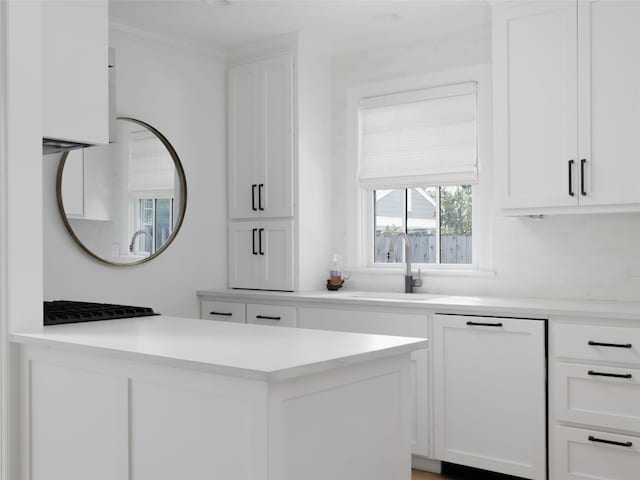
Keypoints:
pixel 151 168
pixel 418 138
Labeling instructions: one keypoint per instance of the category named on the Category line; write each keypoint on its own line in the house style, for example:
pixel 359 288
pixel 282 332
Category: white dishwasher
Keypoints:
pixel 490 393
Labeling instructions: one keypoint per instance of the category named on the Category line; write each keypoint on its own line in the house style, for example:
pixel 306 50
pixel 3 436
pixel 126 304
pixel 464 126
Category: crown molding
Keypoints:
pixel 276 45
pixel 218 54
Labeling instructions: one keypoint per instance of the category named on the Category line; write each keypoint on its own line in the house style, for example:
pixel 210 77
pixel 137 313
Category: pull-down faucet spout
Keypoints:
pixel 409 281
pixel 136 235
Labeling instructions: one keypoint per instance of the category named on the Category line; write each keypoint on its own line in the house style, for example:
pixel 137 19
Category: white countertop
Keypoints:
pixel 251 351
pixel 522 307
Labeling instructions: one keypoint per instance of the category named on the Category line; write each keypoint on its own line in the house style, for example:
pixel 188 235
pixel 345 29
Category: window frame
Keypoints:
pixel 360 199
pixel 370 243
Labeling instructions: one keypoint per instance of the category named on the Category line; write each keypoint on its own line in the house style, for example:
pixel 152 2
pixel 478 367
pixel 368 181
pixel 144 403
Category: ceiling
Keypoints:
pixel 346 24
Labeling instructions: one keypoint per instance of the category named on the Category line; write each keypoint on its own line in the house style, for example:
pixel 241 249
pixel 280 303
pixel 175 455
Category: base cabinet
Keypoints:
pixel 594 455
pixel 222 311
pixel 91 416
pixel 408 325
pixel 595 390
pixel 276 315
pixel 261 255
pixel 489 394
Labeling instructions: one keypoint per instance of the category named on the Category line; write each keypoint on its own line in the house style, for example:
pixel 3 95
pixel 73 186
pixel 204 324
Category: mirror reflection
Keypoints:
pixel 123 203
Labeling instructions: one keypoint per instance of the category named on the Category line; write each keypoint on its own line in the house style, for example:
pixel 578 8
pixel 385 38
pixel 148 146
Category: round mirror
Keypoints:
pixel 123 203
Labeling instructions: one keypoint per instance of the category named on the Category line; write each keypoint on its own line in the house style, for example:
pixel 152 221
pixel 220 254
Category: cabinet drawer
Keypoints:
pixel 271 315
pixel 582 455
pixel 363 321
pixel 589 342
pixel 222 311
pixel 602 396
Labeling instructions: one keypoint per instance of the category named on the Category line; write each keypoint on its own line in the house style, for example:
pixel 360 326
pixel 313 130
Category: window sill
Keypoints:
pixel 433 272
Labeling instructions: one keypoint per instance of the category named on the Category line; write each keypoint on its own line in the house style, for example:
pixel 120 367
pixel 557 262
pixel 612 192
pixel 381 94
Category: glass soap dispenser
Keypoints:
pixel 335 273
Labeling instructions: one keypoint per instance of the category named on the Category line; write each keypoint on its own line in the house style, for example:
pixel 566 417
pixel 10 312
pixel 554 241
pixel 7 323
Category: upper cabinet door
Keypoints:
pixel 609 101
pixel 243 141
pixel 535 104
pixel 75 53
pixel 276 137
pixel 261 145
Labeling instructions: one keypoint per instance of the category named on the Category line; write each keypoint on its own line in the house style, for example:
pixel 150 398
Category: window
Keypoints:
pixel 152 183
pixel 438 221
pixel 418 162
pixel 154 216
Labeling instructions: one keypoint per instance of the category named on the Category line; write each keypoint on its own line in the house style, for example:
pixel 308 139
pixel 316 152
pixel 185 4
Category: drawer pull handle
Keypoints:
pixel 610 442
pixel 571 162
pixel 614 375
pixel 260 187
pixel 483 324
pixel 253 197
pixel 223 314
pixel 267 317
pixel 615 345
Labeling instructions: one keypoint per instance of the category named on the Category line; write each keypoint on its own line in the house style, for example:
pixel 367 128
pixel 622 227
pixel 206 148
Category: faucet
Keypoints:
pixel 409 281
pixel 136 235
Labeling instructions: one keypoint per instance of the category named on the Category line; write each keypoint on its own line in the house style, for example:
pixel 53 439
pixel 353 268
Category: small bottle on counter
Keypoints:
pixel 335 273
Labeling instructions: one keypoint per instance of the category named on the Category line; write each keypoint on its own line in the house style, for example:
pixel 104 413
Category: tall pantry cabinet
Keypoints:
pixel 269 126
pixel 566 105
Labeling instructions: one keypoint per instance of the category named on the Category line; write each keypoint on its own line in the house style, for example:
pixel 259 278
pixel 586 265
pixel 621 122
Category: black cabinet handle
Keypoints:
pixel 253 197
pixel 260 207
pixel 571 162
pixel 614 345
pixel 583 192
pixel 609 442
pixel 613 375
pixel 267 317
pixel 253 241
pixel 222 314
pixel 483 324
pixel 260 230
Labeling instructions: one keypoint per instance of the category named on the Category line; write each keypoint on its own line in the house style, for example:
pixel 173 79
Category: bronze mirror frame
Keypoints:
pixel 181 213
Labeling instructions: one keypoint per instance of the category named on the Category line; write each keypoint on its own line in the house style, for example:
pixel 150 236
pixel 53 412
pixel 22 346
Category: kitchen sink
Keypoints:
pixel 393 296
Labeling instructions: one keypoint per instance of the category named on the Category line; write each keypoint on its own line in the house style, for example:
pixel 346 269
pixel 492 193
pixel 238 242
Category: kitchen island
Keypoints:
pixel 160 398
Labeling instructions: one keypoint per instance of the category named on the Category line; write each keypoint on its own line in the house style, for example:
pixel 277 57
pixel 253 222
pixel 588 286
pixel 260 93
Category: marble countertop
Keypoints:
pixel 256 352
pixel 522 307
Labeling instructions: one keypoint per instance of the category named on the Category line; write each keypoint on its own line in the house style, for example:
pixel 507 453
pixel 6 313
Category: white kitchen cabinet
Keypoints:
pixel 489 393
pixel 595 399
pixel 609 101
pixel 276 315
pixel 75 53
pixel 222 311
pixel 565 105
pixel 535 103
pixel 593 455
pixel 261 139
pixel 386 323
pixel 261 255
pixel 279 140
pixel 602 396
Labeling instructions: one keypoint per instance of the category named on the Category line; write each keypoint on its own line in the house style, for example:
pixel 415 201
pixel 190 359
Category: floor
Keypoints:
pixel 456 472
pixel 418 475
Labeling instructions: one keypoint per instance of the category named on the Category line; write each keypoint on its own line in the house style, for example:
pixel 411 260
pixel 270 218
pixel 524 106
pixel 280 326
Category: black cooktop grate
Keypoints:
pixel 64 311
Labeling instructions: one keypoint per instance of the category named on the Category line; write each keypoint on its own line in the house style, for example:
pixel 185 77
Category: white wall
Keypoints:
pixel 573 256
pixel 181 92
